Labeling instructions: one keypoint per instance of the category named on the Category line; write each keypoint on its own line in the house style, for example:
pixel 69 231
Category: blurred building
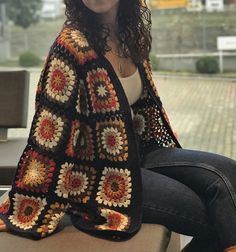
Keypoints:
pixel 191 5
pixel 195 5
pixel 168 4
pixel 52 9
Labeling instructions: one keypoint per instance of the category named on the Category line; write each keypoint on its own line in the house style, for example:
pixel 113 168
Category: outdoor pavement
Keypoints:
pixel 201 110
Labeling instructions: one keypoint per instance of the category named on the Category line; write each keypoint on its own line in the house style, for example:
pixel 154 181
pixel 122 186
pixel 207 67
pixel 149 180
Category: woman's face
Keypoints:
pixel 101 6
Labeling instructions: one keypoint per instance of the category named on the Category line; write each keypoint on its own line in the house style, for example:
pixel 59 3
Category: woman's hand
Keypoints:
pixel 2 226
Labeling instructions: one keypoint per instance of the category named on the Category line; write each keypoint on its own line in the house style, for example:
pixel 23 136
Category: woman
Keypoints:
pixel 97 78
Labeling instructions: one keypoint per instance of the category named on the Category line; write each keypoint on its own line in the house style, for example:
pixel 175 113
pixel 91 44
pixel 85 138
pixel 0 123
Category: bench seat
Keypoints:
pixel 150 238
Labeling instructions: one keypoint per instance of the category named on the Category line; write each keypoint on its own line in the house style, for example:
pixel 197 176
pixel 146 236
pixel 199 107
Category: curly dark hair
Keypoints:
pixel 134 27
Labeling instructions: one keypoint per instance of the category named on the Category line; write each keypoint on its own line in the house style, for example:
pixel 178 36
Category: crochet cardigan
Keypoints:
pixel 84 150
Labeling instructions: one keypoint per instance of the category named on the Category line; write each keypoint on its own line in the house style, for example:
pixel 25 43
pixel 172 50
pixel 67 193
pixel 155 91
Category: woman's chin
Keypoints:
pixel 101 7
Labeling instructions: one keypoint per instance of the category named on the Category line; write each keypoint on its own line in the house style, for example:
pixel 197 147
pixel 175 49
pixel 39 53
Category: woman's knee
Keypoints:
pixel 220 189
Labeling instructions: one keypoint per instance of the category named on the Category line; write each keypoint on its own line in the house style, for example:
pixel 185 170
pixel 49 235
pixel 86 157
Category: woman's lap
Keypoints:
pixel 198 170
pixel 169 202
pixel 185 189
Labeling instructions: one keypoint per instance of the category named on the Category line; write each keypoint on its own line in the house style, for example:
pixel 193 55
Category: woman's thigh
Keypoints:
pixel 168 202
pixel 211 176
pixel 197 169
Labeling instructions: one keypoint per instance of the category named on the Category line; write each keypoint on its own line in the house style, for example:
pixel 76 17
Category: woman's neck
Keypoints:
pixel 110 19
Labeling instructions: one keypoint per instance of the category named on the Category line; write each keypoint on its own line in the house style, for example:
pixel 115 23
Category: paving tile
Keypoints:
pixel 202 111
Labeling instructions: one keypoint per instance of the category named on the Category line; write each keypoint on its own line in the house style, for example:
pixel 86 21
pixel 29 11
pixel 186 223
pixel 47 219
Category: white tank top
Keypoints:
pixel 133 87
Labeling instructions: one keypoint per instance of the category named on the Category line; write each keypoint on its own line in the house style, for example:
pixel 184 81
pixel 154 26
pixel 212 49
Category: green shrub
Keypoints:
pixel 207 64
pixel 29 59
pixel 154 61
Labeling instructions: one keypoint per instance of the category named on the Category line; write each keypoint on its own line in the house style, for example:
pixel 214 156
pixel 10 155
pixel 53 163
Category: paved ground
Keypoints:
pixel 202 111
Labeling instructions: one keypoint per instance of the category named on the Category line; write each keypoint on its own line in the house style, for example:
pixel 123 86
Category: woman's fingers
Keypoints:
pixel 2 226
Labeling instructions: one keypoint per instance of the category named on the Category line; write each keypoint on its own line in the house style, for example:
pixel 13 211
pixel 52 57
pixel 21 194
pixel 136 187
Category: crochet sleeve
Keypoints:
pixel 38 198
pixel 164 116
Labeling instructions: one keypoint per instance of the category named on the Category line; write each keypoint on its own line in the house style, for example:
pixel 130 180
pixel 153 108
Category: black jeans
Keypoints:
pixel 193 193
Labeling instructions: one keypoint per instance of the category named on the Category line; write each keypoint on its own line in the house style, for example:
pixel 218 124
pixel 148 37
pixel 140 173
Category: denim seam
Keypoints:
pixel 175 214
pixel 204 166
pixel 215 182
pixel 212 184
